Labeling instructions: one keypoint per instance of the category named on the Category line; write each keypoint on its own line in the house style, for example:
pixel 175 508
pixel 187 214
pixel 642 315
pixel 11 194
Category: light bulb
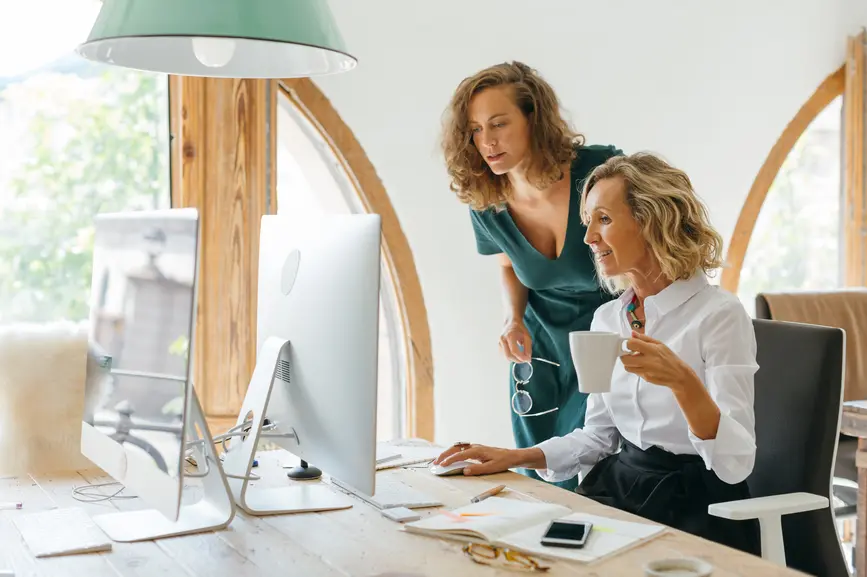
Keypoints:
pixel 213 52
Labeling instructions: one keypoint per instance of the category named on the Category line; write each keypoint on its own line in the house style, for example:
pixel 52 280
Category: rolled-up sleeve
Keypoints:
pixel 728 344
pixel 578 451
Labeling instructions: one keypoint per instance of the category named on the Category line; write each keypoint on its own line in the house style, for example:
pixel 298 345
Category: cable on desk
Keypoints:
pixel 91 494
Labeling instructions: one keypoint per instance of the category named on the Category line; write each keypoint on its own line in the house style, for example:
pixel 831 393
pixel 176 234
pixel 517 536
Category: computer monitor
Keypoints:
pixel 140 410
pixel 316 371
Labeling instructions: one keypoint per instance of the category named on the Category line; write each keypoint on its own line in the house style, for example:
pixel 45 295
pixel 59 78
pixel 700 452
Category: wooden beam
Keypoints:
pixel 220 158
pixel 831 88
pixel 419 407
pixel 854 161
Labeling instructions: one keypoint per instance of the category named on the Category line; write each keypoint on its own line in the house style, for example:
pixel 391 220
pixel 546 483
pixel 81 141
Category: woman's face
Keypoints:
pixel 612 232
pixel 501 132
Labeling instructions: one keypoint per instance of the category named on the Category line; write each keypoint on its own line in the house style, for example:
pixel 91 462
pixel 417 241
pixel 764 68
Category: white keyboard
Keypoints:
pixel 61 532
pixel 392 493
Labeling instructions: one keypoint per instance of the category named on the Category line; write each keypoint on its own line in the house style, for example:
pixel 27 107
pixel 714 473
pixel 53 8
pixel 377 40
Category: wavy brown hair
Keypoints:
pixel 552 140
pixel 673 220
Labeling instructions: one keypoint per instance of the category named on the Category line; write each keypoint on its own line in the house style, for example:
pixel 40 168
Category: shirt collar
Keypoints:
pixel 671 296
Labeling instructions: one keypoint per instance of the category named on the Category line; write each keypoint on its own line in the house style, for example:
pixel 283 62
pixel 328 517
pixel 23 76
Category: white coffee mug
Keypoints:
pixel 678 567
pixel 594 354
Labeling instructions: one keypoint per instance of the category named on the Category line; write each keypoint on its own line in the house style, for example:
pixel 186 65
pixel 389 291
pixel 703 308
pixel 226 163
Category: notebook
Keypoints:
pixel 61 532
pixel 385 454
pixel 519 525
pixel 408 454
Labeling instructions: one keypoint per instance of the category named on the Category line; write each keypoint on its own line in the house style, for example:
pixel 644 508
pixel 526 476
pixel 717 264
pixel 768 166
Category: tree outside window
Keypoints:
pixel 77 139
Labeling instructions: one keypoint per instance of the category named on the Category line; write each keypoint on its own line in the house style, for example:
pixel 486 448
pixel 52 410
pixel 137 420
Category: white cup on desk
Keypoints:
pixel 682 567
pixel 594 354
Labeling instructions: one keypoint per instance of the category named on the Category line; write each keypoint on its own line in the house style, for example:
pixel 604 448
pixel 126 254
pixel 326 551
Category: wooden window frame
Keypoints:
pixel 831 88
pixel 224 163
pixel 850 82
pixel 855 159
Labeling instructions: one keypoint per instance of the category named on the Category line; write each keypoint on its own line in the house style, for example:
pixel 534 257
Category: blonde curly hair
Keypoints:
pixel 552 140
pixel 673 221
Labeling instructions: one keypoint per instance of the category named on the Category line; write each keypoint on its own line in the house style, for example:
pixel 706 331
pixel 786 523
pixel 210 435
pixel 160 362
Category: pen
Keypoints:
pixel 5 506
pixel 488 493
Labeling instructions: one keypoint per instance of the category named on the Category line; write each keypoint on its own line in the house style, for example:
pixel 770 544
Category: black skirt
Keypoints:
pixel 674 490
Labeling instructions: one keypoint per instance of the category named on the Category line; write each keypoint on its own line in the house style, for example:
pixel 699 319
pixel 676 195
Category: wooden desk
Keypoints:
pixel 351 542
pixel 854 423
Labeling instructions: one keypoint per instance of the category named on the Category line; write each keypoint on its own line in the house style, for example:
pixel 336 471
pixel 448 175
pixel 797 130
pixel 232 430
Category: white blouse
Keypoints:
pixel 709 329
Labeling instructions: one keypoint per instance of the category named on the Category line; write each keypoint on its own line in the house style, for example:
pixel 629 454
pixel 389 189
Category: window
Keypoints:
pixel 310 181
pixel 76 139
pixel 796 243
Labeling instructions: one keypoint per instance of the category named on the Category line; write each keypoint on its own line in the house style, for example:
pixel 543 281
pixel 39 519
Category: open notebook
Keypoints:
pixel 519 525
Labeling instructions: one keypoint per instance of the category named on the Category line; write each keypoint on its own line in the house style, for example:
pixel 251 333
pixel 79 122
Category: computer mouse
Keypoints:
pixel 455 468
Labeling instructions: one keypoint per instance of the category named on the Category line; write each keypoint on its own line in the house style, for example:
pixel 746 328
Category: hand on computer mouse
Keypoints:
pixel 491 459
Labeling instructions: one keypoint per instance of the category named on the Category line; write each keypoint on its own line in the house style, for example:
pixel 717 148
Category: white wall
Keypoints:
pixel 857 9
pixel 710 85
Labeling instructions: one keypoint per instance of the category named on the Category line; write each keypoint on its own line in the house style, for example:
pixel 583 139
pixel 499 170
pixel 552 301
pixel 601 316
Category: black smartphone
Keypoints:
pixel 565 533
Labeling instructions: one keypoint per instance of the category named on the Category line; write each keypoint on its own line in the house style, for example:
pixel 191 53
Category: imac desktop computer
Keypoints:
pixel 141 415
pixel 314 387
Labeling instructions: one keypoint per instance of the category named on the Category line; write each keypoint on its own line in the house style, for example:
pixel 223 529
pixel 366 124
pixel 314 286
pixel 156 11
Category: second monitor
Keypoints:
pixel 317 355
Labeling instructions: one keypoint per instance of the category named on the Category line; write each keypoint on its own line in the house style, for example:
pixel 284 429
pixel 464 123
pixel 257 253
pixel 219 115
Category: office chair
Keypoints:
pixel 798 403
pixel 845 485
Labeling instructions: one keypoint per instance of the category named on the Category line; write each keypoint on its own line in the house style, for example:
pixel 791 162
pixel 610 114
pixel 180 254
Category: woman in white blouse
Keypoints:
pixel 676 432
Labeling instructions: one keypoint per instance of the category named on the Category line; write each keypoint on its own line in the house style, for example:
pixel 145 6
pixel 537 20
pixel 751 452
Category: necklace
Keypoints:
pixel 630 309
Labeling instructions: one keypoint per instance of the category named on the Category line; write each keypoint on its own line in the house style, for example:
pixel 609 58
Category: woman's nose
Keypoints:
pixel 487 140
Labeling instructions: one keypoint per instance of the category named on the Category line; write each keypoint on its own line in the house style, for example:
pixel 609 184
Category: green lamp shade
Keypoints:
pixel 219 38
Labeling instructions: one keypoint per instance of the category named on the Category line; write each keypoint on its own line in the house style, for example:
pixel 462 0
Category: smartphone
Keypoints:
pixel 565 533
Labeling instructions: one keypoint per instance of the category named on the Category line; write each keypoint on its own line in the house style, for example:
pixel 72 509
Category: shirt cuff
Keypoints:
pixel 561 463
pixel 721 454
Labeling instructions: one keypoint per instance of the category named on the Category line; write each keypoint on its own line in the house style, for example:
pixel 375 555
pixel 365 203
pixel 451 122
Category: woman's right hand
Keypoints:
pixel 491 459
pixel 515 342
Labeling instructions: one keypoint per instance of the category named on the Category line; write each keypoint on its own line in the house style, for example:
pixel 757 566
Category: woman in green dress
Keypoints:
pixel 520 167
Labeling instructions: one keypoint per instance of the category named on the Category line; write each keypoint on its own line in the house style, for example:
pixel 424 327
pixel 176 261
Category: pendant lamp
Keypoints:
pixel 219 38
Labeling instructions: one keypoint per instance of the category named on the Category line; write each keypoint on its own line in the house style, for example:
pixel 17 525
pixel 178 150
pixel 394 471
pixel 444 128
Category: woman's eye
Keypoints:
pixel 604 219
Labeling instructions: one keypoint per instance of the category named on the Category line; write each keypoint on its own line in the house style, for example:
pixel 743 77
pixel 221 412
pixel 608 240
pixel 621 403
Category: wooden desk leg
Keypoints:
pixel 861 530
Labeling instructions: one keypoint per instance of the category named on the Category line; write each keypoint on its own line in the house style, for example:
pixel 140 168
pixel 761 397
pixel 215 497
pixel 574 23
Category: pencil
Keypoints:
pixel 489 493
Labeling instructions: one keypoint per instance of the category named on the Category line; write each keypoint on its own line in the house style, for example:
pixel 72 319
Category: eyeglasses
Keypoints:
pixel 522 402
pixel 489 555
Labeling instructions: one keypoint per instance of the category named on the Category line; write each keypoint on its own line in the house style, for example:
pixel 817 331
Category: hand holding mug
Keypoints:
pixel 654 362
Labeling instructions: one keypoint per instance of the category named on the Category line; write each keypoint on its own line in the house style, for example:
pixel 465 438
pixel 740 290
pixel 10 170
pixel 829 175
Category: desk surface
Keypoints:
pixel 855 407
pixel 351 542
pixel 854 420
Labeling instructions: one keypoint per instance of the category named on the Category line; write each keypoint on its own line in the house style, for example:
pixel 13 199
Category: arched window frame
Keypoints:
pixel 832 87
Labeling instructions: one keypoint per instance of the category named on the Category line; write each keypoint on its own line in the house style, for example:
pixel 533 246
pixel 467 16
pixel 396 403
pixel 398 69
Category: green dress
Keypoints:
pixel 563 295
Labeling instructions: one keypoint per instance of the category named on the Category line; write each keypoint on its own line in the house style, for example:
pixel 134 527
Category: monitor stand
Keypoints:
pixel 238 461
pixel 304 472
pixel 213 511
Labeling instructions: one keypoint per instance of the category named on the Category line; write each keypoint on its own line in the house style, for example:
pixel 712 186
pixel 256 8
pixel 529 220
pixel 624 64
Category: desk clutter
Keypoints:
pixel 493 517
pixel 521 525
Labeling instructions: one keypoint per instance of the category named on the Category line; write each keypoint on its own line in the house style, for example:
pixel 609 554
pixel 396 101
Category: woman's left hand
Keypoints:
pixel 654 362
